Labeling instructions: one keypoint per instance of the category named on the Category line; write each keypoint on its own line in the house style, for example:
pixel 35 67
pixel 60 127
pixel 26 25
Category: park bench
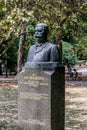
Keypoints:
pixel 79 77
pixel 69 78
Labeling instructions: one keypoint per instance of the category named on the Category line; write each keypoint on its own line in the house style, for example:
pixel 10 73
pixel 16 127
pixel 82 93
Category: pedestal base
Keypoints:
pixel 41 102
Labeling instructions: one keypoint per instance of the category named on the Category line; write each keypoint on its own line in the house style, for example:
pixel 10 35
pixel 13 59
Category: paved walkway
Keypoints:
pixel 80 83
pixel 8 79
pixel 14 79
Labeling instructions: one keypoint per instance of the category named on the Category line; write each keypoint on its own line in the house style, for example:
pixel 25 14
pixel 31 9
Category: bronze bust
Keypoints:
pixel 42 51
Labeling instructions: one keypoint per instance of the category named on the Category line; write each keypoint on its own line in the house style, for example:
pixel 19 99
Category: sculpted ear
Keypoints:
pixel 46 30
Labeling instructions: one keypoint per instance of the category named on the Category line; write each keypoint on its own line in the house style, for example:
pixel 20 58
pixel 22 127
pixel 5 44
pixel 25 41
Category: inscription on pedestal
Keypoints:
pixel 35 96
pixel 34 81
pixel 41 99
pixel 34 77
pixel 34 122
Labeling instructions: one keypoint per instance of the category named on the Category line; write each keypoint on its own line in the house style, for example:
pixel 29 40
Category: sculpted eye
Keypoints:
pixel 39 30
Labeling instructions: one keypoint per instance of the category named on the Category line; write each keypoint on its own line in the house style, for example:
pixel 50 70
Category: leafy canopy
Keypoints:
pixel 66 18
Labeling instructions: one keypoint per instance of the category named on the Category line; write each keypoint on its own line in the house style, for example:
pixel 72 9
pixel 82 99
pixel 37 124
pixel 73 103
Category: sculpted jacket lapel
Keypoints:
pixel 40 48
pixel 44 45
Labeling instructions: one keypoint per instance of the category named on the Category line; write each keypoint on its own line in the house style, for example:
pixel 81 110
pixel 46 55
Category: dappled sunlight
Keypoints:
pixel 76 108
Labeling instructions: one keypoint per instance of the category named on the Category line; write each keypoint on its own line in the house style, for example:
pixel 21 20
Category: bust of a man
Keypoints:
pixel 42 51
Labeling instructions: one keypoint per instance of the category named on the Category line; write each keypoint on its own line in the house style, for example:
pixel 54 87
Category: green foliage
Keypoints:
pixel 67 20
pixel 68 53
pixel 81 48
pixel 30 32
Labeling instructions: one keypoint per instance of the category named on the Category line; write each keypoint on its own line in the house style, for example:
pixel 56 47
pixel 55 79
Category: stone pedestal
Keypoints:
pixel 41 98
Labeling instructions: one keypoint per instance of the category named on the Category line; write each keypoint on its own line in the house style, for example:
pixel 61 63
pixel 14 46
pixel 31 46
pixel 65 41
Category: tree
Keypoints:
pixel 69 56
pixel 62 16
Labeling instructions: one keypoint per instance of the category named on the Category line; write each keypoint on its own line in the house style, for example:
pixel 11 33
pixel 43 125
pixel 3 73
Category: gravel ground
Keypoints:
pixel 8 107
pixel 75 112
pixel 76 107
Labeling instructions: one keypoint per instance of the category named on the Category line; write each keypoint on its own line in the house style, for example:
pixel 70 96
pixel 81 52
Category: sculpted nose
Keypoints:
pixel 36 33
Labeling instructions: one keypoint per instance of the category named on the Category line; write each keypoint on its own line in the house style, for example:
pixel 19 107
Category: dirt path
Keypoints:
pixel 8 106
pixel 78 83
pixel 75 112
pixel 76 107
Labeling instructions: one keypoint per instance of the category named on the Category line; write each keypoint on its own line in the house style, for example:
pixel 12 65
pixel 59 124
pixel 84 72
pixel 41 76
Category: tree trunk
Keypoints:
pixel 0 69
pixel 20 50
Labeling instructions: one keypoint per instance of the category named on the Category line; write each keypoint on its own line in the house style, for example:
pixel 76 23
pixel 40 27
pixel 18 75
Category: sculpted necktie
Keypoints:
pixel 38 48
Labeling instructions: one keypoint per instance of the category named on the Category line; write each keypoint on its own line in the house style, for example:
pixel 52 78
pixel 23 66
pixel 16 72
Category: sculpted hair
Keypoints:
pixel 45 26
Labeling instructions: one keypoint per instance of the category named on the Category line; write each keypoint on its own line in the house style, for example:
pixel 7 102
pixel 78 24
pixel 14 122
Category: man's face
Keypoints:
pixel 39 34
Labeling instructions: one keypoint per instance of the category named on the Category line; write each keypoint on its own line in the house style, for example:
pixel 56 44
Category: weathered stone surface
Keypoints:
pixel 41 99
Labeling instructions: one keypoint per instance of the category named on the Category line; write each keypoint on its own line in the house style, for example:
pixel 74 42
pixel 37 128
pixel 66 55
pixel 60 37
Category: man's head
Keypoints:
pixel 41 32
